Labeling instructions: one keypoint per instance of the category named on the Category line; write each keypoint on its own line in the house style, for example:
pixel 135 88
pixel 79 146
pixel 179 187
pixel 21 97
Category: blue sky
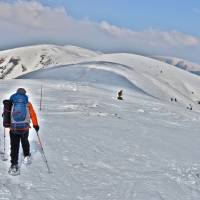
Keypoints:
pixel 180 15
pixel 147 27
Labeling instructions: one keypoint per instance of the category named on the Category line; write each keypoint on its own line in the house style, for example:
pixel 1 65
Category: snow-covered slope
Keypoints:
pixel 130 71
pixel 180 63
pixel 104 149
pixel 70 63
pixel 19 61
pixel 144 148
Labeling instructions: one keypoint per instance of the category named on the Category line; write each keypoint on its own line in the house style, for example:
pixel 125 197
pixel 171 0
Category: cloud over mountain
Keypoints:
pixel 29 22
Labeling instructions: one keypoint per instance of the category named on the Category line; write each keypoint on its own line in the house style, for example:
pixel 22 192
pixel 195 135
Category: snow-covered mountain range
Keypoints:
pixel 150 76
pixel 19 61
pixel 144 147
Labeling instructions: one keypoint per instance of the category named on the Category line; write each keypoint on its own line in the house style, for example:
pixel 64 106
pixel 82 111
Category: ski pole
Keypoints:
pixel 43 154
pixel 4 145
pixel 4 141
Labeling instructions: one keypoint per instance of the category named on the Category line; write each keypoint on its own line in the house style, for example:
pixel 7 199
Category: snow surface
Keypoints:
pixel 99 148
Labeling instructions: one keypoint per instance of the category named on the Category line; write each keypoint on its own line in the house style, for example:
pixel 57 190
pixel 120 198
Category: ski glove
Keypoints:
pixel 36 128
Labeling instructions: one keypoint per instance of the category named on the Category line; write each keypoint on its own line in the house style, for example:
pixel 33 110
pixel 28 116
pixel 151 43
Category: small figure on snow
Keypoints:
pixel 21 113
pixel 189 107
pixel 120 93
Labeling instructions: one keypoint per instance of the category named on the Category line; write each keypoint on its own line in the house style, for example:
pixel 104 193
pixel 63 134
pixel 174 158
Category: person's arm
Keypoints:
pixel 33 117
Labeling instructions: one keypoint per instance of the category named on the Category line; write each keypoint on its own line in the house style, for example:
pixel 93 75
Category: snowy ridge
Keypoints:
pixel 180 63
pixel 135 72
pixel 26 59
pixel 159 79
pixel 70 63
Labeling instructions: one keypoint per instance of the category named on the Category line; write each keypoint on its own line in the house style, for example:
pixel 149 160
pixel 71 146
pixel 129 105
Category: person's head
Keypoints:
pixel 21 91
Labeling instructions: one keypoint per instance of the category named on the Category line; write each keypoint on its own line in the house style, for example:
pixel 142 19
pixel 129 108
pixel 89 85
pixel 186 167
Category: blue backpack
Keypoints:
pixel 20 116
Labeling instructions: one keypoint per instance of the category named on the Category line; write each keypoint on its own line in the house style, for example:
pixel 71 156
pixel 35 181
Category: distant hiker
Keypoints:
pixel 172 99
pixel 120 93
pixel 21 113
pixel 175 100
pixel 189 107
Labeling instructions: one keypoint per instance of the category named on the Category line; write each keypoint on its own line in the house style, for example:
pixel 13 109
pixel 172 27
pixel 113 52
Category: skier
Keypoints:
pixel 21 113
pixel 120 93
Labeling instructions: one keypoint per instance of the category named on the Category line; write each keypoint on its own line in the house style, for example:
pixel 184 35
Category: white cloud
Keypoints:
pixel 153 37
pixel 30 22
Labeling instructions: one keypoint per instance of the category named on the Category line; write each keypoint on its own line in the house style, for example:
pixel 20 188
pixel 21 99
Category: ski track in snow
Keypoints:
pixel 103 149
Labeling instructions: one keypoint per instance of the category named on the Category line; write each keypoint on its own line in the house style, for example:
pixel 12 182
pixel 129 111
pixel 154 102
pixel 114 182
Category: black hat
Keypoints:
pixel 21 91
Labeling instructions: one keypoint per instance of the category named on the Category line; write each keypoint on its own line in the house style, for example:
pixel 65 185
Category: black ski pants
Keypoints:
pixel 15 138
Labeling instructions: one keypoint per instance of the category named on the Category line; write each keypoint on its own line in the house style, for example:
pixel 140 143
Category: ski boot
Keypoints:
pixel 27 160
pixel 14 170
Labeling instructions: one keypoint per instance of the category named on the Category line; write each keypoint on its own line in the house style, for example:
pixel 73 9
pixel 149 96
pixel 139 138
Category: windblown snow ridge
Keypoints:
pixel 90 72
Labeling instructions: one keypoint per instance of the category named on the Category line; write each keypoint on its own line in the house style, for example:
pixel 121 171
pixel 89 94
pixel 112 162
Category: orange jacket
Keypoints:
pixel 33 115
